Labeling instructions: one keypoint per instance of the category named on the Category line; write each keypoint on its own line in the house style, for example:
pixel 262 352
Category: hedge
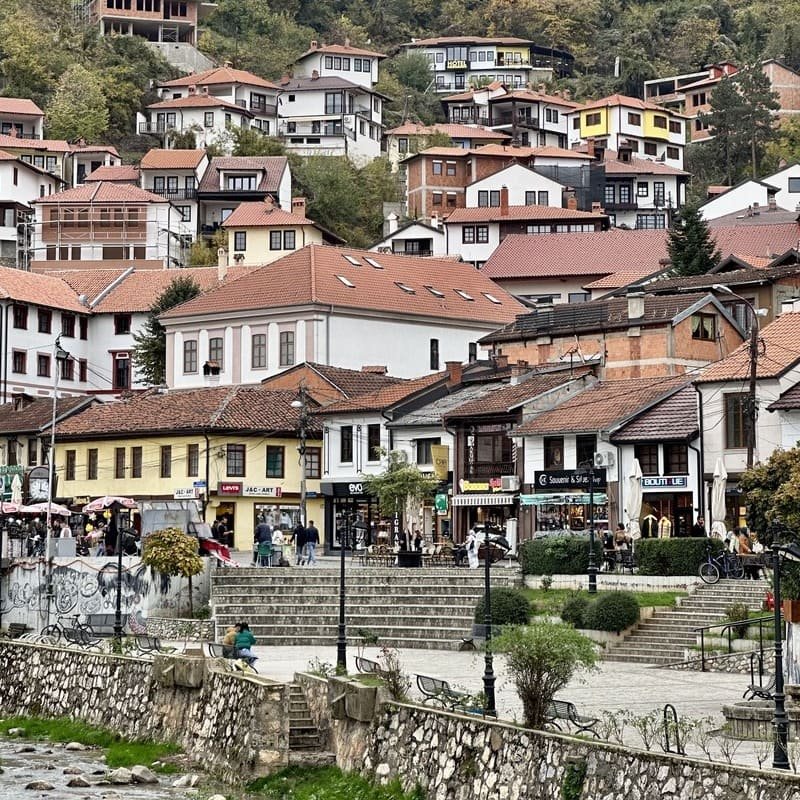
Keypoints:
pixel 558 555
pixel 611 611
pixel 509 607
pixel 674 556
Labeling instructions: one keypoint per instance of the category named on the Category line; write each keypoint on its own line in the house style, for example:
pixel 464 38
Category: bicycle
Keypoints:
pixel 725 565
pixel 77 632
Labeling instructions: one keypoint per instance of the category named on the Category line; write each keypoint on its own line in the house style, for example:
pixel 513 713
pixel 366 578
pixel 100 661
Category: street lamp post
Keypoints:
pixel 116 516
pixel 341 639
pixel 302 405
pixel 488 659
pixel 752 407
pixel 588 467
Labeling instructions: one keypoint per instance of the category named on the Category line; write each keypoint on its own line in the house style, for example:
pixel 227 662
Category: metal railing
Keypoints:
pixel 729 628
pixel 175 194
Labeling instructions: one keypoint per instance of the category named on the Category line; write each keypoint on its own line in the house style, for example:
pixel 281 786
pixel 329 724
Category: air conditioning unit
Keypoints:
pixel 509 483
pixel 603 459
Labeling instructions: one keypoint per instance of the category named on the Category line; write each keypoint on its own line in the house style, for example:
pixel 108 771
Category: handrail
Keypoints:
pixel 730 627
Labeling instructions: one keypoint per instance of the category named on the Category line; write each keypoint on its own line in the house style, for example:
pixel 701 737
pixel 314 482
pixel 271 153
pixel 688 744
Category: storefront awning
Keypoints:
pixel 554 499
pixel 483 499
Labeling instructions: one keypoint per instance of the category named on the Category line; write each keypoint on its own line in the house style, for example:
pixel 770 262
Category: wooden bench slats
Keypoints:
pixel 568 712
pixel 439 691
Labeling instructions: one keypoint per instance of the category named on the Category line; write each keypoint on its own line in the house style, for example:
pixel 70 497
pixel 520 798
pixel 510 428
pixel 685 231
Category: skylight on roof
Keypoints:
pixel 373 263
pixel 354 261
pixel 407 289
pixel 434 292
pixel 492 299
pixel 347 283
pixel 464 295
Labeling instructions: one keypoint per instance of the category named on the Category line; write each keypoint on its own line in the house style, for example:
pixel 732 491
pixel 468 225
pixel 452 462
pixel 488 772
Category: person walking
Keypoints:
pixel 312 540
pixel 300 544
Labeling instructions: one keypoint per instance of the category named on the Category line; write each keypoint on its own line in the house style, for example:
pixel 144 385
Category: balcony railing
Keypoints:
pixel 619 205
pixel 19 135
pixel 520 118
pixel 175 194
pixel 483 471
pixel 158 127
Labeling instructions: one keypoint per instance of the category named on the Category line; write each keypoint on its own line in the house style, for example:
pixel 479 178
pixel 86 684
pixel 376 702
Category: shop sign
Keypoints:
pixel 555 499
pixel 185 493
pixel 440 504
pixel 228 488
pixel 343 489
pixel 440 453
pixel 673 482
pixel 456 64
pixel 262 491
pixel 492 485
pixel 565 480
pixel 199 484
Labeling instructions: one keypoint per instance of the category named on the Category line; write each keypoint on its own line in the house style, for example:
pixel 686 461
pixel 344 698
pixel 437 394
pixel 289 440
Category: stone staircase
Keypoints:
pixel 423 608
pixel 305 740
pixel 664 638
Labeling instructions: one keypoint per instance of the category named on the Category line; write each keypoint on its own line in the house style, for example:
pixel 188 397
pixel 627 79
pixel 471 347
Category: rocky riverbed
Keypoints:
pixel 44 769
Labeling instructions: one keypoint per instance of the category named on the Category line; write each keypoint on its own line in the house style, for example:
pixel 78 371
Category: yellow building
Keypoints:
pixel 260 233
pixel 233 449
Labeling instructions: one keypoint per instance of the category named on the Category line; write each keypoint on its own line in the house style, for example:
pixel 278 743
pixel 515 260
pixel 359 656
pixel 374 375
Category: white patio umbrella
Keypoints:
pixel 718 528
pixel 635 500
pixel 106 502
pixel 41 508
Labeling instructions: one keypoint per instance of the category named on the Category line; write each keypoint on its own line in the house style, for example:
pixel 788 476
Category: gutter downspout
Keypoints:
pixel 700 483
pixel 3 347
pixel 701 453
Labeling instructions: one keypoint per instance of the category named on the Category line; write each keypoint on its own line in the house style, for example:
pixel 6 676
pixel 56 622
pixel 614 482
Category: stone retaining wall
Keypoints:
pixel 235 726
pixel 738 663
pixel 174 629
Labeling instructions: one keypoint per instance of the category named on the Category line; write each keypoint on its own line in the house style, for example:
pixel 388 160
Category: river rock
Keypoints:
pixel 16 731
pixel 73 746
pixel 40 786
pixel 120 776
pixel 72 771
pixel 185 781
pixel 217 797
pixel 79 781
pixel 142 774
pixel 26 748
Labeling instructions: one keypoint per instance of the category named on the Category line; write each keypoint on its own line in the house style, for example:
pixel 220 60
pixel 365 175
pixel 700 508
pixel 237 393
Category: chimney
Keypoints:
pixel 227 64
pixel 518 370
pixel 500 362
pixel 392 221
pixel 455 371
pixel 435 220
pixel 504 200
pixel 572 203
pixel 285 78
pixel 299 206
pixel 590 148
pixel 375 369
pixel 597 208
pixel 222 263
pixel 314 44
pixel 192 90
pixel 314 75
pixel 347 41
pixel 772 203
pixel 635 304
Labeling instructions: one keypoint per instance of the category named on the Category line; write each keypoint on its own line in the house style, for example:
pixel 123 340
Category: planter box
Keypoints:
pixel 351 699
pixel 171 670
pixel 409 559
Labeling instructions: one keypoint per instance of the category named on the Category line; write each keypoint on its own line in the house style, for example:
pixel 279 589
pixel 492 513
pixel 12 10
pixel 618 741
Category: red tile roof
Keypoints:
pixel 601 407
pixel 673 419
pixel 383 397
pixel 262 215
pixel 50 145
pixel 94 148
pixel 529 152
pixel 221 75
pixel 40 290
pixel 340 49
pixel 102 192
pixel 452 130
pixel 249 409
pixel 89 282
pixel 623 100
pixel 199 101
pixel 779 351
pixel 171 159
pixel 311 275
pixel 449 152
pixel 348 382
pixel 21 106
pixel 273 168
pixel 36 415
pixel 788 401
pixel 506 397
pixel 533 213
pixel 616 280
pixel 486 40
pixel 124 173
pixel 637 166
pixel 536 97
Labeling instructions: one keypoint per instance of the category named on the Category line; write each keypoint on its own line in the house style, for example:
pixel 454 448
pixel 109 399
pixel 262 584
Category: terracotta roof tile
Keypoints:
pixel 199 101
pixel 536 97
pixel 38 289
pixel 443 40
pixel 616 280
pixel 171 159
pixel 312 275
pixel 102 192
pixel 507 397
pixel 218 75
pixel 36 414
pixel 383 397
pixel 780 350
pixel 528 152
pixel 354 382
pixel 675 418
pixel 449 152
pixel 637 166
pixel 602 406
pixel 238 408
pixel 125 173
pixel 19 105
pixel 273 168
pixel 452 130
pixel 50 145
pixel 89 282
pixel 259 214
pixel 94 148
pixel 623 100
pixel 533 213
pixel 737 277
pixel 341 49
pixel 788 401
pixel 323 82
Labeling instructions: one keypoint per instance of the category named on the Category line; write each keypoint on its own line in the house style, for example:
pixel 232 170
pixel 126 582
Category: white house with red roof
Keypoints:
pixel 102 224
pixel 21 117
pixel 354 64
pixel 86 158
pixel 339 306
pixel 207 103
pixel 532 118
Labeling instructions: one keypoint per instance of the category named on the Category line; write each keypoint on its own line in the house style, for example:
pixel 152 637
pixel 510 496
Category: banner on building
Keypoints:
pixel 440 453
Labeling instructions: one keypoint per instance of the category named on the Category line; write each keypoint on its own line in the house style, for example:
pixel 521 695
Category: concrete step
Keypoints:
pixel 311 758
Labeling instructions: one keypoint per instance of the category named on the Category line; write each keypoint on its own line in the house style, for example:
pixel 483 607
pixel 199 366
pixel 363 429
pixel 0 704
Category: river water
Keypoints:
pixel 47 763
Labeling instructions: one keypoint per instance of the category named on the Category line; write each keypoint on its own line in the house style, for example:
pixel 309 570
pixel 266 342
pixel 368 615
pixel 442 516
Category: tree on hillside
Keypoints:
pixel 784 147
pixel 250 142
pixel 150 350
pixel 728 144
pixel 760 103
pixel 692 250
pixel 78 109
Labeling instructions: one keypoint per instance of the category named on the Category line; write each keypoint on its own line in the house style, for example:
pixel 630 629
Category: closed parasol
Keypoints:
pixel 718 527
pixel 635 500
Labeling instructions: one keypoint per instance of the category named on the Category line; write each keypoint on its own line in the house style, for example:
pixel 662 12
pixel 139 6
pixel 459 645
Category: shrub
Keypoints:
pixel 542 658
pixel 564 555
pixel 574 608
pixel 674 556
pixel 611 611
pixel 509 607
pixel 737 612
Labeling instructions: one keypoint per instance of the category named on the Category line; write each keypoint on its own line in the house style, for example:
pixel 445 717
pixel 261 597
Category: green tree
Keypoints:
pixel 760 104
pixel 692 250
pixel 784 147
pixel 542 658
pixel 183 140
pixel 728 145
pixel 150 349
pixel 78 108
pixel 402 487
pixel 250 142
pixel 172 552
pixel 769 493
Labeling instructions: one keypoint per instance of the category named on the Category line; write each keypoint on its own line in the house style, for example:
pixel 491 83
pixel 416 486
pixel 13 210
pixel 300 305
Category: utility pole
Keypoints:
pixel 302 405
pixel 752 407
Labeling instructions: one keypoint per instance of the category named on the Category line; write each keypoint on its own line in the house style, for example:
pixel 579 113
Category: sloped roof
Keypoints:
pixel 82 147
pixel 602 406
pixel 737 277
pixel 340 49
pixel 221 75
pixel 535 97
pixel 21 106
pixel 637 166
pixel 528 152
pixel 124 172
pixel 788 401
pixel 89 282
pixel 102 192
pixel 273 168
pixel 624 100
pixel 312 275
pixel 324 82
pixel 200 101
pixel 779 351
pixel 158 158
pixel 434 412
pixel 510 213
pixel 260 214
pixel 673 419
pixel 485 40
pixel 354 382
pixel 383 397
pixel 36 414
pixel 38 289
pixel 50 145
pixel 239 408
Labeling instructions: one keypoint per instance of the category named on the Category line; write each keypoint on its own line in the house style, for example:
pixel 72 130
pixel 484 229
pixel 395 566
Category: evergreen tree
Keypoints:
pixel 757 124
pixel 692 250
pixel 728 144
pixel 150 351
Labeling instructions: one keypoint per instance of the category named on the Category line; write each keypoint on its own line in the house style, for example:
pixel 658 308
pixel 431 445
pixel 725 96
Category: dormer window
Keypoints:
pixel 241 183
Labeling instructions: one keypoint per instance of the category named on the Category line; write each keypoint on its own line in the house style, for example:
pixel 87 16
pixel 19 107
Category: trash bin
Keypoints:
pixel 409 558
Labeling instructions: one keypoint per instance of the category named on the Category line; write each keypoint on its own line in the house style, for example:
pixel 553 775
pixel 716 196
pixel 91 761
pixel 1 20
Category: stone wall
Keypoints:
pixel 236 726
pixel 738 663
pixel 175 629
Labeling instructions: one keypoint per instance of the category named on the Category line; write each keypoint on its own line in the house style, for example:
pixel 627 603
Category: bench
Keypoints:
pixel 367 666
pixel 762 690
pixel 150 644
pixel 440 691
pixel 103 624
pixel 216 650
pixel 567 712
pixel 17 629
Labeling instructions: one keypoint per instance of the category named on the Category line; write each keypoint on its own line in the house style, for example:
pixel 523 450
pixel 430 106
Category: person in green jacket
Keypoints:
pixel 244 641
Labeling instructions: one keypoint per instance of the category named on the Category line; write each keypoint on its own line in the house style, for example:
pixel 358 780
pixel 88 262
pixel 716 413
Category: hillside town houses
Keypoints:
pixel 518 318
